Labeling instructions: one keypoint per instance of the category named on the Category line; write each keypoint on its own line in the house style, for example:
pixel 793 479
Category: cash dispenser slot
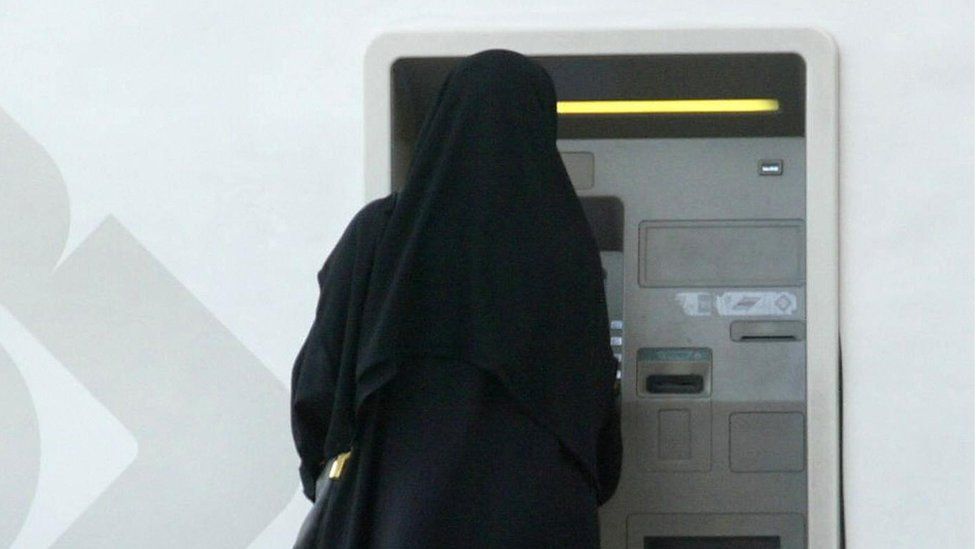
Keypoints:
pixel 712 542
pixel 746 331
pixel 679 384
pixel 681 372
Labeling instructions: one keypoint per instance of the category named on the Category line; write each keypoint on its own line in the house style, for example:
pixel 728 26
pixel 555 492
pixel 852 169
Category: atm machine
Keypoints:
pixel 706 163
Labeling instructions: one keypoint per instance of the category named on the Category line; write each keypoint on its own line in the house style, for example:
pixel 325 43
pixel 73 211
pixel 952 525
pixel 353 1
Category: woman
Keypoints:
pixel 460 346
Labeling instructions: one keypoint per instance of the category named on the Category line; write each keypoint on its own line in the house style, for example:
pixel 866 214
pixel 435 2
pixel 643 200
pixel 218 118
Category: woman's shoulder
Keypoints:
pixel 367 216
pixel 367 221
pixel 360 231
pixel 375 208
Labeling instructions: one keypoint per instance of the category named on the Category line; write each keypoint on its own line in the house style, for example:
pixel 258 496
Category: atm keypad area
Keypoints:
pixel 700 220
pixel 708 284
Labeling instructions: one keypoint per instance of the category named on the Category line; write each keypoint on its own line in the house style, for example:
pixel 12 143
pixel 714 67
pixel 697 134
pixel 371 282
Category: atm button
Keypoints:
pixel 616 341
pixel 770 167
pixel 616 324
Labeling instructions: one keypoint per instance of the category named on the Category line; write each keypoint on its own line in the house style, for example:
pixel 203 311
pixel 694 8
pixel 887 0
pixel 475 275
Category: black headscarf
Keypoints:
pixel 487 256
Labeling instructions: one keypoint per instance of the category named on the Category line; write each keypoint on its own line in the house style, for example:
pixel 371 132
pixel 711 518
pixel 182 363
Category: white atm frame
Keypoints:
pixel 819 53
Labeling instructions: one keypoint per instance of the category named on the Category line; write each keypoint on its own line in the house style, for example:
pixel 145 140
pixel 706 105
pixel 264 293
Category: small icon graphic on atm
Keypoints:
pixel 756 304
pixel 770 167
pixel 745 303
pixel 695 303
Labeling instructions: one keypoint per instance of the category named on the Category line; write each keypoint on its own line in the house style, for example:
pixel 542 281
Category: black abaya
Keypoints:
pixel 461 466
pixel 461 344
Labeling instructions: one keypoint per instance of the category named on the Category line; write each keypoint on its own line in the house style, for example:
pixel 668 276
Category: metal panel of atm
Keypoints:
pixel 701 217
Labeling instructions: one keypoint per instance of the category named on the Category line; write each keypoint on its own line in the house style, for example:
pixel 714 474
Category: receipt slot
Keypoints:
pixel 706 164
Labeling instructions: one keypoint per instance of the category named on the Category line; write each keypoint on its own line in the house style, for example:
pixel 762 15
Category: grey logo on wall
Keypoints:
pixel 214 464
pixel 20 457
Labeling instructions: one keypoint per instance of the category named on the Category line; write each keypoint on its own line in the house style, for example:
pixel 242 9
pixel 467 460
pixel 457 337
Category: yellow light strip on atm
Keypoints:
pixel 668 106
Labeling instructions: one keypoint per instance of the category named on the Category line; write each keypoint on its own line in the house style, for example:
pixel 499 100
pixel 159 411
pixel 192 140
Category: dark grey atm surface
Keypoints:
pixel 713 300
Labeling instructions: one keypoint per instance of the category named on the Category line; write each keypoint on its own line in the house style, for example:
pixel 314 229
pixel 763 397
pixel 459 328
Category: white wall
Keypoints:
pixel 227 139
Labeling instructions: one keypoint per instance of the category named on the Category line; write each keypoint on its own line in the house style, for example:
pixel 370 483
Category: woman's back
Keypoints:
pixel 460 465
pixel 461 344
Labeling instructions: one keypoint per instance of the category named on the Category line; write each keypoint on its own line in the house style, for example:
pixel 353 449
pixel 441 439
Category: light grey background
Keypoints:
pixel 199 159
